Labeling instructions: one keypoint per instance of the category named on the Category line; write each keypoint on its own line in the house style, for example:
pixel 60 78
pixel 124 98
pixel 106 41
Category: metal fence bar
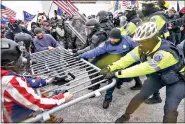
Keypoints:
pixel 54 63
pixel 52 66
pixel 72 102
pixel 60 70
pixel 68 83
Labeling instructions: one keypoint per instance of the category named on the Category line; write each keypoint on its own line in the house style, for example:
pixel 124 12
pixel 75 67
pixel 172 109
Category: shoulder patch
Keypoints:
pixel 124 46
pixel 158 57
pixel 102 44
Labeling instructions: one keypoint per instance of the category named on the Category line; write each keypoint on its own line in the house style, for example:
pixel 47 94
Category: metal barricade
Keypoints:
pixel 58 63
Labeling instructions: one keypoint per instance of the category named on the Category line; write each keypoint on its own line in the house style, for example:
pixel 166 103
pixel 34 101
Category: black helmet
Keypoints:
pixel 25 38
pixel 130 11
pixel 148 4
pixel 92 22
pixel 9 51
pixel 102 15
pixel 75 18
pixel 93 25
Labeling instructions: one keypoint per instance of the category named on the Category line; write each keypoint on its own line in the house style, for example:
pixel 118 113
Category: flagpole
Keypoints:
pixel 50 8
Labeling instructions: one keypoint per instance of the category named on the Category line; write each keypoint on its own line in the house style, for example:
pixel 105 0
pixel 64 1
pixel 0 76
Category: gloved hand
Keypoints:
pixel 56 92
pixel 75 54
pixel 104 71
pixel 77 58
pixel 74 50
pixel 110 75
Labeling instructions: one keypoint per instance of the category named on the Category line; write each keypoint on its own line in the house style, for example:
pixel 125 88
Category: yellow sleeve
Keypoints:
pixel 126 61
pixel 123 31
pixel 159 21
pixel 160 60
pixel 131 28
pixel 182 70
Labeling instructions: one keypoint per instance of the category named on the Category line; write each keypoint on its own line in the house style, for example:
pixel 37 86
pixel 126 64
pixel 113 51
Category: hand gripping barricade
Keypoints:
pixel 61 64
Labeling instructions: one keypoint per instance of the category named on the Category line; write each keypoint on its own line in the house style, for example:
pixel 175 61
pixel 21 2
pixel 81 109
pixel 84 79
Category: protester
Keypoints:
pixel 44 41
pixel 17 92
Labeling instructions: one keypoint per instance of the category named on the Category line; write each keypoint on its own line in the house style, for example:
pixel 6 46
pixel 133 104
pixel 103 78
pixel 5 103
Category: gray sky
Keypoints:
pixel 34 6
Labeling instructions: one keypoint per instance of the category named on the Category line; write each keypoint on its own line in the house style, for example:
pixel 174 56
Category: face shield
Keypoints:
pixel 78 22
pixel 125 13
pixel 98 18
pixel 88 30
pixel 123 21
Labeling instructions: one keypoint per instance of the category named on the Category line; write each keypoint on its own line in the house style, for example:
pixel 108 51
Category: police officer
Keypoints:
pixel 132 21
pixel 95 36
pixel 105 23
pixel 109 52
pixel 60 33
pixel 68 38
pixel 79 25
pixel 161 62
pixel 153 12
pixel 110 16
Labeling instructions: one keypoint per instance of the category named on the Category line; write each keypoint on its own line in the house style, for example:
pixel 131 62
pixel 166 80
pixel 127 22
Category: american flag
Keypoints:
pixel 116 8
pixel 125 3
pixel 66 6
pixel 72 6
pixel 8 12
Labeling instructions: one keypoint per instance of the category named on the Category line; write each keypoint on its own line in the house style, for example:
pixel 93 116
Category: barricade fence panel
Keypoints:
pixel 72 74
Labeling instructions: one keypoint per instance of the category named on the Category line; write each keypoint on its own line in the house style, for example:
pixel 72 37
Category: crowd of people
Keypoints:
pixel 135 43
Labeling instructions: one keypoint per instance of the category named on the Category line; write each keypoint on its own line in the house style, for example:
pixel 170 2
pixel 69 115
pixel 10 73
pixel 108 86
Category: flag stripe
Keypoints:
pixel 116 8
pixel 72 5
pixel 67 6
pixel 62 6
pixel 8 12
pixel 125 3
pixel 71 8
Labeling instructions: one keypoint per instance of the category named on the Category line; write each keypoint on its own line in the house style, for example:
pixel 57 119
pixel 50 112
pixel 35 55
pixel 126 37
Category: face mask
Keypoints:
pixel 88 31
pixel 41 36
pixel 170 15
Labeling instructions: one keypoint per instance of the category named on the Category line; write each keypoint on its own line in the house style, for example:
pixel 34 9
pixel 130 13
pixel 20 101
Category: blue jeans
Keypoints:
pixel 109 92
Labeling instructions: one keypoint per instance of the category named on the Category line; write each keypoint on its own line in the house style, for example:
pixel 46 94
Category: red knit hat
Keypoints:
pixel 183 10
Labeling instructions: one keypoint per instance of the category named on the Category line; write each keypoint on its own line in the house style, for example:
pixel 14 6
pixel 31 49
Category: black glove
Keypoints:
pixel 74 50
pixel 104 71
pixel 110 75
pixel 75 54
pixel 77 58
pixel 56 92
